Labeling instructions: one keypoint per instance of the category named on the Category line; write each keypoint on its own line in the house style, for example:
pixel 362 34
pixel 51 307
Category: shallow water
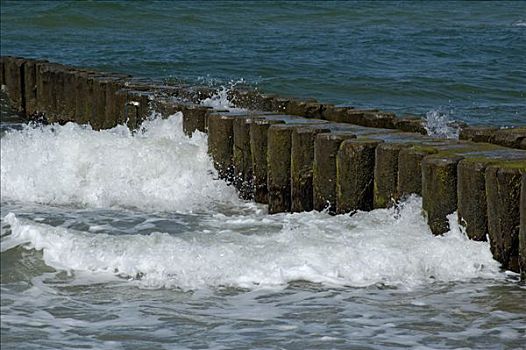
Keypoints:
pixel 102 248
pixel 461 59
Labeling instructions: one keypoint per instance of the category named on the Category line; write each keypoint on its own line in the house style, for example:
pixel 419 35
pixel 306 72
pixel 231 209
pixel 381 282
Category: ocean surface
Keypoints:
pixel 462 59
pixel 127 240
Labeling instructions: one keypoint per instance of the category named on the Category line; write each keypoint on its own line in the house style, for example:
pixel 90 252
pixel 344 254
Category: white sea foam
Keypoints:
pixel 438 125
pixel 220 100
pixel 156 168
pixel 382 246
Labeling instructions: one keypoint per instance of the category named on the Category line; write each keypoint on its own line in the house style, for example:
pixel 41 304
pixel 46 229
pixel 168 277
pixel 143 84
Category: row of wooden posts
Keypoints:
pixel 299 156
pixel 295 164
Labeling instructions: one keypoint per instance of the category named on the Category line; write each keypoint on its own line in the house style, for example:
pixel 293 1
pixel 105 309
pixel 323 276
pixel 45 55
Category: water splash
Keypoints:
pixel 439 124
pixel 155 168
pixel 377 247
pixel 220 99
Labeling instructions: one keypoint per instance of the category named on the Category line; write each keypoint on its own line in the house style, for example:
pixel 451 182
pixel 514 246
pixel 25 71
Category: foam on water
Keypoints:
pixel 159 169
pixel 392 247
pixel 156 168
pixel 220 100
pixel 438 124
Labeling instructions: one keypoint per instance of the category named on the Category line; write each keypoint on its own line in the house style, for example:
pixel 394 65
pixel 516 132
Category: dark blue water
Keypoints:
pixel 464 59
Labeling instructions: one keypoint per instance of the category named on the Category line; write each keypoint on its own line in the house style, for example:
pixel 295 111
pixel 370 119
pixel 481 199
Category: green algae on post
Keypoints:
pixel 278 163
pixel 221 144
pixel 386 174
pixel 302 158
pixel 324 175
pixel 472 202
pixel 503 190
pixel 439 191
pixel 355 175
pixel 258 149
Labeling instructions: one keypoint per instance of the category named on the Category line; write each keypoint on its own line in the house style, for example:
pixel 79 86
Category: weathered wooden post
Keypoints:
pixel 258 149
pixel 302 159
pixel 242 157
pixel 324 175
pixel 472 202
pixel 355 175
pixel 439 190
pixel 386 174
pixel 278 163
pixel 410 170
pixel 221 144
pixel 503 189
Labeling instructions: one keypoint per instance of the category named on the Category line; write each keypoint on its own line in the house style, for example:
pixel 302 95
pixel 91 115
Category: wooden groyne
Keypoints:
pixel 299 155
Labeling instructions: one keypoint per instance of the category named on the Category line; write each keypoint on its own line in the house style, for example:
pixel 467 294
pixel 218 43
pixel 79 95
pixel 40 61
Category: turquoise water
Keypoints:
pixel 463 59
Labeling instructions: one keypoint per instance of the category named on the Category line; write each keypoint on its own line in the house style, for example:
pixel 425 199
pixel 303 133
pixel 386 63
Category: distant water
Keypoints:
pixel 127 240
pixel 462 59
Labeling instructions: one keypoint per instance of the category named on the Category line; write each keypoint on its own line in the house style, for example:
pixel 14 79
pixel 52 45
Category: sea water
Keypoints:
pixel 462 59
pixel 127 240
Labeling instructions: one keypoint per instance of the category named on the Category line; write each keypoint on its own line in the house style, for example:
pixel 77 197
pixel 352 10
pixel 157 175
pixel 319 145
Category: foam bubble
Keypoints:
pixel 438 124
pixel 392 247
pixel 156 168
pixel 220 101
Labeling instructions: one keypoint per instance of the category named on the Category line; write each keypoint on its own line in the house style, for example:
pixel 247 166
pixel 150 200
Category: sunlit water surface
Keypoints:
pixel 461 59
